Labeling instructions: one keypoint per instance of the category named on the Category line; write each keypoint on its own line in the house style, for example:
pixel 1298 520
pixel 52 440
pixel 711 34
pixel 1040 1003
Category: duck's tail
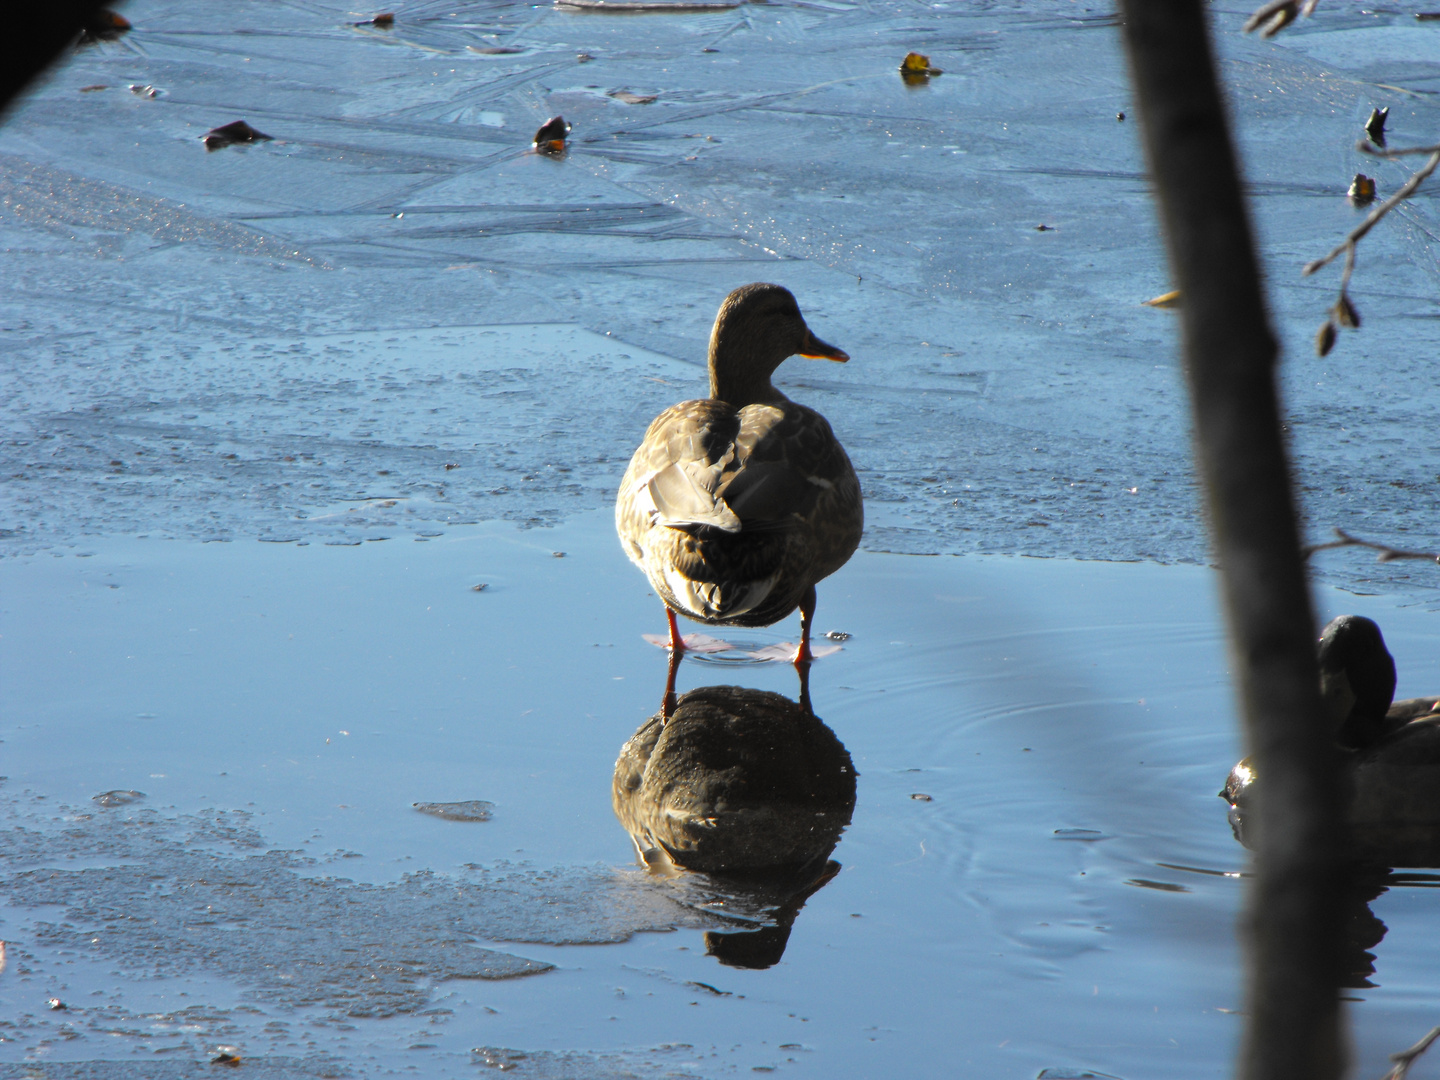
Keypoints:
pixel 714 601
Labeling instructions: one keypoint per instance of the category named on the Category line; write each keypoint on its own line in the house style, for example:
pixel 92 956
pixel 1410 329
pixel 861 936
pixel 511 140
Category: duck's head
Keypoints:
pixel 758 326
pixel 1357 679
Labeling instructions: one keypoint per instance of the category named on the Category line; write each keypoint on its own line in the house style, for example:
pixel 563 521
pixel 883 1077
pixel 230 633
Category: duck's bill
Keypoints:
pixel 815 349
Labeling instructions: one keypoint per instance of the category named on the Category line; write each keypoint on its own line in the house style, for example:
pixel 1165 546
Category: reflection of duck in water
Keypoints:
pixel 736 780
pixel 744 785
pixel 1361 930
pixel 1391 750
pixel 735 506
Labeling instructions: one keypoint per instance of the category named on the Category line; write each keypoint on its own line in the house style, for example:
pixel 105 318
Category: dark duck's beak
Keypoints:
pixel 815 349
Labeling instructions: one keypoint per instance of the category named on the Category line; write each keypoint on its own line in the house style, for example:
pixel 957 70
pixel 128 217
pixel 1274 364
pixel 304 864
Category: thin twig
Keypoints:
pixel 1416 179
pixel 1349 267
pixel 1406 1058
pixel 1386 552
pixel 1399 151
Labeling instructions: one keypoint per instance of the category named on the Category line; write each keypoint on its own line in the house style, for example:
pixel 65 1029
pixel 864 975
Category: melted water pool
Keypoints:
pixel 1063 897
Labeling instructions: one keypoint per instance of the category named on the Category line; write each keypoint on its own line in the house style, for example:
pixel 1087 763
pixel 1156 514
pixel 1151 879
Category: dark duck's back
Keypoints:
pixel 735 506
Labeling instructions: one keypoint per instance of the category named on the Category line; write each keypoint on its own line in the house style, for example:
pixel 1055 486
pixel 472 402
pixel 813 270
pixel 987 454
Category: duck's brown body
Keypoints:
pixel 1397 781
pixel 1395 778
pixel 1389 752
pixel 734 506
pixel 778 470
pixel 1391 795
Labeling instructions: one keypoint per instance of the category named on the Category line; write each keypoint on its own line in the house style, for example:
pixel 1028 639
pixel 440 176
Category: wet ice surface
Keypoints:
pixel 392 323
pixel 1059 901
pixel 165 308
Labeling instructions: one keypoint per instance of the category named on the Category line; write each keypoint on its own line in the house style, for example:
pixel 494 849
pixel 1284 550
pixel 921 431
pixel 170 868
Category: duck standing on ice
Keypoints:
pixel 736 505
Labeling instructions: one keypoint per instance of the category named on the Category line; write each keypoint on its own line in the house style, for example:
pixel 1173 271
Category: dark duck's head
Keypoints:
pixel 759 326
pixel 1357 680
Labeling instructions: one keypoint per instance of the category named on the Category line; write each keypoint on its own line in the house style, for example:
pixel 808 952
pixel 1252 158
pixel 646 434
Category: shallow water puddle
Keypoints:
pixel 1038 874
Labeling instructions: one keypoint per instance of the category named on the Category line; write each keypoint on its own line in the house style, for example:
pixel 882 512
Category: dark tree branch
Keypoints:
pixel 1291 924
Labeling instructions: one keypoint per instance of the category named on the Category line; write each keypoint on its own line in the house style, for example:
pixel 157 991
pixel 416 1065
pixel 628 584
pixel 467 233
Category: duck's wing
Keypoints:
pixel 1415 743
pixel 1397 718
pixel 675 474
pixel 786 460
pixel 683 494
pixel 1402 712
pixel 764 467
pixel 1396 792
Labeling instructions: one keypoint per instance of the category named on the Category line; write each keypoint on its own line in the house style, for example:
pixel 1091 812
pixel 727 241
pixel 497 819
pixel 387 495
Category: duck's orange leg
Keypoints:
pixel 677 643
pixel 807 617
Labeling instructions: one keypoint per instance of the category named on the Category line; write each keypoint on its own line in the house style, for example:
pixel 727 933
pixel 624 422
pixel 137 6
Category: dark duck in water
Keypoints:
pixel 736 505
pixel 1391 749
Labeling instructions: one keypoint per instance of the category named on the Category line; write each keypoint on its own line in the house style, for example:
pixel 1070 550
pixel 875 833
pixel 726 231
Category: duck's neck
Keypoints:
pixel 1364 726
pixel 736 379
pixel 1361 693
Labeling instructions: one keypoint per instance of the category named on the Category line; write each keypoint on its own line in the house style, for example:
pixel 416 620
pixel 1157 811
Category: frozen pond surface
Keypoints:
pixel 164 308
pixel 393 323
